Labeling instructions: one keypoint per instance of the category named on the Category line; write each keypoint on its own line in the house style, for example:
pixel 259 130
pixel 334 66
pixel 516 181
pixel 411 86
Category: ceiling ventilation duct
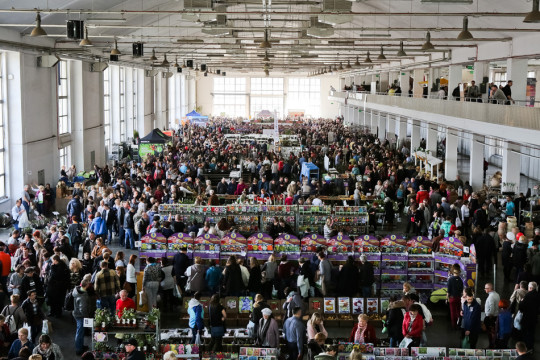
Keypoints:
pixel 319 29
pixel 449 1
pixel 335 6
pixel 216 32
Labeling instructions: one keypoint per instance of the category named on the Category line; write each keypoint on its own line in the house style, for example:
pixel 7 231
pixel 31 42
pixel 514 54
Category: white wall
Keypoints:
pixel 205 86
pixel 328 110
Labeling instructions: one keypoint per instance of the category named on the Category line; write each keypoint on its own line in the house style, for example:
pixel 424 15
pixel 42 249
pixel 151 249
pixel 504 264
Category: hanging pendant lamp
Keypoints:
pixel 428 45
pixel 38 30
pixel 86 42
pixel 381 55
pixel 465 34
pixel 153 57
pixel 534 15
pixel 115 50
pixel 368 59
pixel 401 52
pixel 265 44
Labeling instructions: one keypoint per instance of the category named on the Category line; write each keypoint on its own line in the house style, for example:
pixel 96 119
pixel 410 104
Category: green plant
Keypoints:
pixel 101 346
pixel 153 316
pixel 102 316
pixel 128 314
pixel 135 134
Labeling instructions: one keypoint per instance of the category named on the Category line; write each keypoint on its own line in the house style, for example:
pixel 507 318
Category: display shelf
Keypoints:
pixel 233 244
pixel 351 220
pixel 260 246
pixel 312 218
pixel 309 244
pixel 207 246
pixel 269 212
pixel 339 247
pixel 245 217
pixel 289 245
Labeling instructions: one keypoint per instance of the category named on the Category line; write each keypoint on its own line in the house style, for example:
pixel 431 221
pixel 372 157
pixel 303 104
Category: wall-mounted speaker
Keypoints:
pixel 218 72
pixel 179 69
pixel 189 64
pixel 203 67
pixel 138 49
pixel 113 57
pixel 75 29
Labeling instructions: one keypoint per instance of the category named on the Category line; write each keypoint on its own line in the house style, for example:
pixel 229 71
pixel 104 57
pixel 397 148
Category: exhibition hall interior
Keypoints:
pixel 269 179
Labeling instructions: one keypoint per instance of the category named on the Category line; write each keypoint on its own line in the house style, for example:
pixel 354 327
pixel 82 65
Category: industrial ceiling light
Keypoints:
pixel 357 64
pixel 38 30
pixel 534 15
pixel 197 68
pixel 330 71
pixel 325 71
pixel 115 50
pixel 265 44
pixel 184 65
pixel 368 59
pixel 401 52
pixel 165 62
pixel 176 62
pixel 465 34
pixel 266 56
pixel 428 45
pixel 86 42
pixel 381 55
pixel 267 72
pixel 153 57
pixel 335 68
pixel 348 66
pixel 340 67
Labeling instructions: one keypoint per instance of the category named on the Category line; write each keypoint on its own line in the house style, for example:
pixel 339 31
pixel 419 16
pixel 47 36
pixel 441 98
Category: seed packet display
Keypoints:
pixel 329 305
pixel 344 305
pixel 372 306
pixel 358 306
pixel 245 304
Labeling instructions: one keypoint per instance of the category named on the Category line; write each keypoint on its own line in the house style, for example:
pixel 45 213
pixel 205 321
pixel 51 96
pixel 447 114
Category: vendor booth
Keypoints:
pixel 194 118
pixel 153 144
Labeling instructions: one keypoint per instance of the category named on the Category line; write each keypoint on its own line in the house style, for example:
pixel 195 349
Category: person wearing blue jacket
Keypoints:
pixel 99 227
pixel 196 314
pixel 295 332
pixel 471 323
pixel 213 277
pixel 504 324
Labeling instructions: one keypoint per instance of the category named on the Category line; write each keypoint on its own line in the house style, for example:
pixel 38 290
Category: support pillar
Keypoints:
pixel 374 123
pixel 511 165
pixel 374 79
pixel 481 69
pixel 476 164
pixel 392 77
pixel 404 83
pixel 382 126
pixel 431 139
pixel 384 80
pixel 418 90
pixel 450 162
pixel 517 72
pixel 391 128
pixel 402 130
pixel 455 77
pixel 415 135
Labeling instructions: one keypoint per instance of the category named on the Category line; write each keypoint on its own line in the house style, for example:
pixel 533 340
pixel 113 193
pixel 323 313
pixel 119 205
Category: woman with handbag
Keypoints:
pixel 217 316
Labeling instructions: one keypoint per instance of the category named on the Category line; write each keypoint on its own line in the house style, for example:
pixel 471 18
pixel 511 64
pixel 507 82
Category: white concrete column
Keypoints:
pixel 481 69
pixel 382 126
pixel 517 72
pixel 511 164
pixel 384 81
pixel 402 130
pixel 477 162
pixel 366 120
pixel 391 128
pixel 374 122
pixel 418 76
pixel 450 163
pixel 357 116
pixel 455 77
pixel 392 77
pixel 431 139
pixel 374 79
pixel 404 83
pixel 415 135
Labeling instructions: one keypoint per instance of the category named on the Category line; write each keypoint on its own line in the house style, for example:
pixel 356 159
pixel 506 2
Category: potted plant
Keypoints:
pixel 129 318
pixel 102 319
pixel 152 318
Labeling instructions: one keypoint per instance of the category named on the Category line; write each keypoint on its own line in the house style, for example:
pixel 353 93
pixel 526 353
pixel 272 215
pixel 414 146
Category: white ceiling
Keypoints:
pixel 373 23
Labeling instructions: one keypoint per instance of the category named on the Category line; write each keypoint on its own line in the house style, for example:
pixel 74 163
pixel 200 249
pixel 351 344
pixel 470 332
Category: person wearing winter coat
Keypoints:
pixel 446 226
pixel 504 324
pixel 47 349
pixel 394 321
pixel 213 277
pixel 258 305
pixel 81 310
pixel 255 277
pixel 413 325
pixel 471 324
pixel 519 253
pixel 99 226
pixel 59 280
pixel 315 345
pixel 267 330
pixel 232 277
pixel 294 300
pixel 363 332
pixel 348 278
pixel 195 276
pixel 196 316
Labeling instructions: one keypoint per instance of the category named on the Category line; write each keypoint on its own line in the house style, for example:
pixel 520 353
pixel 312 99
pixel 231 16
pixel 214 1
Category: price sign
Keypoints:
pixel 137 244
pixel 88 322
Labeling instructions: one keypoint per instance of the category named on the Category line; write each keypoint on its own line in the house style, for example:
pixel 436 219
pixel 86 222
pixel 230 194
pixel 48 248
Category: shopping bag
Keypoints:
pixel 274 293
pixel 27 327
pixel 143 299
pixel 45 327
pixel 251 329
pixel 23 221
pixel 198 338
pixel 405 342
pixel 176 292
pixel 517 320
pixel 465 343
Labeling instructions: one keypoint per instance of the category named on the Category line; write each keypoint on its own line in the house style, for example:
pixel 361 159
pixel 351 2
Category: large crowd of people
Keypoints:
pixel 123 206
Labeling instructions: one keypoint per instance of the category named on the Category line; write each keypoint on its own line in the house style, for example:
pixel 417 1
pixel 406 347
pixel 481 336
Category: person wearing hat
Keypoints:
pixel 519 252
pixel 131 349
pixel 453 296
pixel 268 333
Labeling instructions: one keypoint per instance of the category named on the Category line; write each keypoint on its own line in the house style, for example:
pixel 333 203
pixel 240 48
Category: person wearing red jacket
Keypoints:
pixel 6 267
pixel 422 195
pixel 362 332
pixel 124 302
pixel 413 324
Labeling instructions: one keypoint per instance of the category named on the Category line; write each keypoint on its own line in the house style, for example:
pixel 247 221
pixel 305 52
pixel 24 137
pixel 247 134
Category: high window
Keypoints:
pixel 63 97
pixel 65 156
pixel 107 107
pixel 2 130
pixel 305 94
pixel 267 94
pixel 229 96
pixel 122 84
pixel 134 86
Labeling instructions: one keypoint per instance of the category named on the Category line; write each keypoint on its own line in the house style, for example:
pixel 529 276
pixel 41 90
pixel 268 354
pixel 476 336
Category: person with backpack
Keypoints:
pixel 453 296
pixel 81 310
pixel 75 231
pixel 14 314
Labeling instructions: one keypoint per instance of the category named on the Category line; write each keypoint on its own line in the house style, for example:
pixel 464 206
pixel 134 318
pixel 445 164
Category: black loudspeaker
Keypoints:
pixel 189 64
pixel 138 49
pixel 203 67
pixel 113 57
pixel 179 69
pixel 75 29
pixel 224 73
pixel 205 74
pixel 218 72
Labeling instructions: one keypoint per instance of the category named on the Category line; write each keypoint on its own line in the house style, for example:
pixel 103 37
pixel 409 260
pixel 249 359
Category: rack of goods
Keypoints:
pixel 420 263
pixel 206 247
pixel 351 220
pixel 233 244
pixel 244 217
pixel 152 245
pixel 339 247
pixel 286 244
pixel 310 243
pixel 369 246
pixel 188 213
pixel 260 246
pixel 312 218
pixel 177 242
pixel 214 213
pixel 451 250
pixel 393 264
pixel 285 212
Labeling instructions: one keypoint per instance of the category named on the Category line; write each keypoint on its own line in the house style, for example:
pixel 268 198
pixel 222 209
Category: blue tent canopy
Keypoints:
pixel 309 170
pixel 197 119
pixel 193 114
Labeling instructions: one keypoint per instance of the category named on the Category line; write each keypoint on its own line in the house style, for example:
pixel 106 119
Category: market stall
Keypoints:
pixel 260 246
pixel 312 218
pixel 233 244
pixel 153 144
pixel 339 247
pixel 152 245
pixel 176 242
pixel 351 220
pixel 369 246
pixel 244 217
pixel 286 244
pixel 310 243
pixel 207 247
pixel 270 212
pixel 393 264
